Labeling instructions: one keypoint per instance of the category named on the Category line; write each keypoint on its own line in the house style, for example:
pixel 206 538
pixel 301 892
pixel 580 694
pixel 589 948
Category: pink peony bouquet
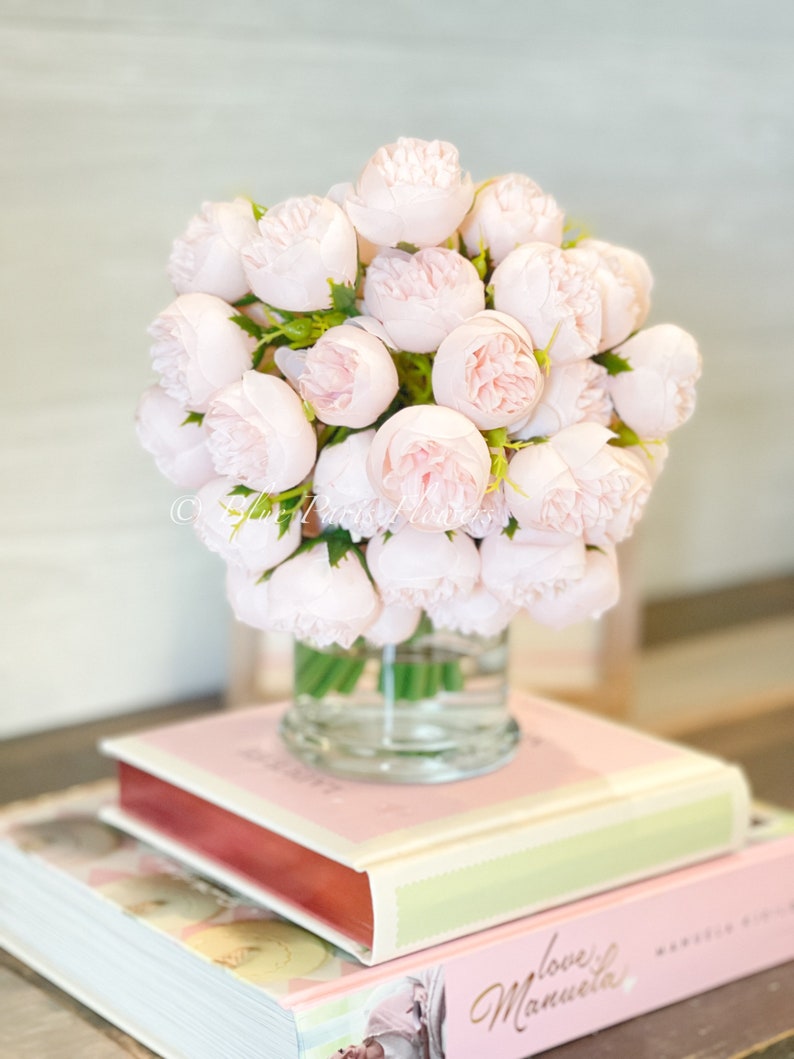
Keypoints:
pixel 414 398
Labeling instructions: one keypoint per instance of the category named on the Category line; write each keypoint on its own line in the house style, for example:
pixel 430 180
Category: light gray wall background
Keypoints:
pixel 668 127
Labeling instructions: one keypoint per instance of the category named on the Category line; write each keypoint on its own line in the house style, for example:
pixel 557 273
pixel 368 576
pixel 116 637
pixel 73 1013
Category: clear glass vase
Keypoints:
pixel 429 710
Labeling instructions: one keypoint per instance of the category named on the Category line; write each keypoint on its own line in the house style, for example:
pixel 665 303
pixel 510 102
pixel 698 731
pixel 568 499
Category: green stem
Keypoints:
pixel 350 679
pixel 452 676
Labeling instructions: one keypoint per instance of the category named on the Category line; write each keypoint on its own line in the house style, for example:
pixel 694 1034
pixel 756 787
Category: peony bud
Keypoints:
pixel 625 282
pixel 320 603
pixel 259 434
pixel 486 369
pixel 576 483
pixel 179 448
pixel 301 244
pixel 419 298
pixel 580 598
pixel 343 493
pixel 432 464
pixel 411 191
pixel 258 544
pixel 348 377
pixel 207 257
pixel 554 297
pixel 198 349
pixel 507 212
pixel 658 394
pixel 518 573
pixel 572 393
pixel 418 569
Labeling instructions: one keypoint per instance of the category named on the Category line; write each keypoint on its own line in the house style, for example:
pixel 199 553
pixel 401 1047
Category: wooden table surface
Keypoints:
pixel 750 1018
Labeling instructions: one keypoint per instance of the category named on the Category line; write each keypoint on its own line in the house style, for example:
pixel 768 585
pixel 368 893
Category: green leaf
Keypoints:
pixel 287 510
pixel 338 547
pixel 482 261
pixel 573 232
pixel 309 412
pixel 511 527
pixel 408 248
pixel 262 507
pixel 337 551
pixel 259 211
pixel 247 299
pixel 496 438
pixel 240 490
pixel 415 374
pixel 297 329
pixel 333 319
pixel 343 298
pixel 626 437
pixel 245 323
pixel 334 435
pixel 614 363
pixel 193 417
pixel 543 360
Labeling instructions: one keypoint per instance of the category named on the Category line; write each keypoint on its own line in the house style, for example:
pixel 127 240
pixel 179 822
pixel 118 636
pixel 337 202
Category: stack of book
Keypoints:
pixel 225 900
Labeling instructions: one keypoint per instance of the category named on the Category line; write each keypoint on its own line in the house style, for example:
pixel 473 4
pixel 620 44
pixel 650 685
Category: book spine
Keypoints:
pixel 571 972
pixel 573 978
pixel 423 901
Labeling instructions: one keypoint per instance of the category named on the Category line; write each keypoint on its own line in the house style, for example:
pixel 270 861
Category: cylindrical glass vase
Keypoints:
pixel 429 710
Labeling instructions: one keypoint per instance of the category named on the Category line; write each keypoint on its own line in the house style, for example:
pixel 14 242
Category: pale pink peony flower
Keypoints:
pixel 486 369
pixel 658 394
pixel 492 515
pixel 348 377
pixel 207 256
pixel 412 191
pixel 320 603
pixel 419 298
pixel 507 212
pixel 478 612
pixel 180 451
pixel 633 473
pixel 301 244
pixel 517 573
pixel 583 597
pixel 419 569
pixel 395 624
pixel 259 434
pixel 576 483
pixel 625 282
pixel 572 393
pixel 432 464
pixel 248 598
pixel 343 493
pixel 198 349
pixel 544 288
pixel 258 544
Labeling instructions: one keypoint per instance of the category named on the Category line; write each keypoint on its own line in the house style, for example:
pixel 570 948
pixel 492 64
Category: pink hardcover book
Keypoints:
pixel 586 804
pixel 195 971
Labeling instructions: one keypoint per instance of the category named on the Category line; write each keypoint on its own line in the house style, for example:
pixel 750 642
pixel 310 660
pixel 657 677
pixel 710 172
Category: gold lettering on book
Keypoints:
pixel 561 977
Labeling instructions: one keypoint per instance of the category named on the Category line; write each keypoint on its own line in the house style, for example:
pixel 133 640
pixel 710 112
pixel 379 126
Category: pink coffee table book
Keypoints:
pixel 191 969
pixel 386 870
